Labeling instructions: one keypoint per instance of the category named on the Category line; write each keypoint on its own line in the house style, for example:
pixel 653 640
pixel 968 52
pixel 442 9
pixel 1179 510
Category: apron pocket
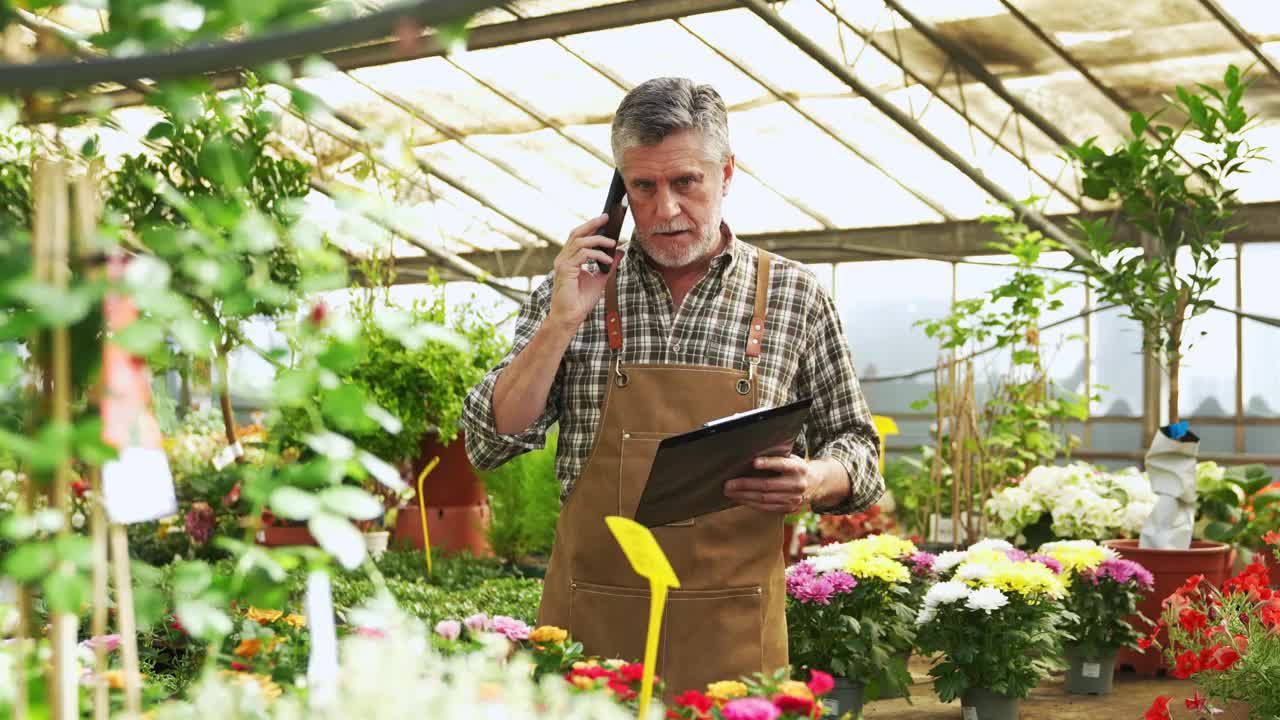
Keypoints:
pixel 610 621
pixel 637 454
pixel 718 635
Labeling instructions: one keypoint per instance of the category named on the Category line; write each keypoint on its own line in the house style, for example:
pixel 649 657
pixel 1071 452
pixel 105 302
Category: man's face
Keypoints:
pixel 675 193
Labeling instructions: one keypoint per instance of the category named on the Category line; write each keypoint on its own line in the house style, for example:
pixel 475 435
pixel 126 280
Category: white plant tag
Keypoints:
pixel 228 455
pixel 969 713
pixel 137 486
pixel 1091 670
pixel 322 666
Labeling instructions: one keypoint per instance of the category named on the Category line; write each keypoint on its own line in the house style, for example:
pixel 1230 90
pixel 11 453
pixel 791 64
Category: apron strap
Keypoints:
pixel 762 303
pixel 613 322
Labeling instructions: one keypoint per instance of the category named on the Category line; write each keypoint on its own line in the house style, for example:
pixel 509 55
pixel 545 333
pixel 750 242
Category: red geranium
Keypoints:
pixel 1192 619
pixel 1188 665
pixel 1224 657
pixel 632 672
pixel 1198 703
pixel 1272 537
pixel 1159 709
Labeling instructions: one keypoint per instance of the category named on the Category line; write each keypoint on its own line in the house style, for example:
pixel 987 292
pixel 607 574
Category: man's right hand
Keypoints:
pixel 576 291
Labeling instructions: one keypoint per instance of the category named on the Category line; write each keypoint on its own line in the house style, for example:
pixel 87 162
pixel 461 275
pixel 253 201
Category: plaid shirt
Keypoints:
pixel 804 354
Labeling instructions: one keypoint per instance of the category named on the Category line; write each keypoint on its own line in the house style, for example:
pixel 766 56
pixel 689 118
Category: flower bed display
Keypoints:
pixel 1072 502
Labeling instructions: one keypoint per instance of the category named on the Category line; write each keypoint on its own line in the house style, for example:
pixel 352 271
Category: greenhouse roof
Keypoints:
pixel 512 134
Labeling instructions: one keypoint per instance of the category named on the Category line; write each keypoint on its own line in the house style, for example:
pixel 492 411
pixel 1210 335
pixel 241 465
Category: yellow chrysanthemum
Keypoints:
pixel 890 546
pixel 296 620
pixel 1026 579
pixel 263 616
pixel 270 690
pixel 548 634
pixel 867 566
pixel 1075 558
pixel 795 688
pixel 726 690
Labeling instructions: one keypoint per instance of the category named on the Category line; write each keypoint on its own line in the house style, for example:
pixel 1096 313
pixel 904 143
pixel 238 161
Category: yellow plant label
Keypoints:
pixel 422 508
pixel 648 560
pixel 885 426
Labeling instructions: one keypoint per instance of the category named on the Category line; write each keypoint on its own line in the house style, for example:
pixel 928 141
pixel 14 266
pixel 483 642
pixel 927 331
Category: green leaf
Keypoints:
pixel 160 130
pixel 1232 77
pixel 202 620
pixel 292 387
pixel 141 337
pixel 194 336
pixel 293 503
pixel 351 502
pixel 191 578
pixel 344 406
pixel 1137 123
pixel 339 538
pixel 29 562
pixel 65 591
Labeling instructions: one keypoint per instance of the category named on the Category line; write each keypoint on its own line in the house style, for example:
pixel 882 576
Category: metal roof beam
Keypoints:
pixel 946 241
pixel 908 123
pixel 979 71
pixel 912 76
pixel 816 122
pixel 1233 26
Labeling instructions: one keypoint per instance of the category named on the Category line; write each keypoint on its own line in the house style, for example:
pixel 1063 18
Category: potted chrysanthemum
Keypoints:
pixel 995 619
pixel 848 609
pixel 1103 592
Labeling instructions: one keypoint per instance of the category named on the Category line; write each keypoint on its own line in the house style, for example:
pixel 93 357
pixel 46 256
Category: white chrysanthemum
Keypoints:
pixel 949 559
pixel 945 593
pixel 827 563
pixel 971 571
pixel 990 544
pixel 986 598
pixel 926 614
pixel 829 549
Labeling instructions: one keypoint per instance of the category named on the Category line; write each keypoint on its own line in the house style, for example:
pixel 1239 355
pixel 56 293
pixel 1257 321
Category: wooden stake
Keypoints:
pixel 127 625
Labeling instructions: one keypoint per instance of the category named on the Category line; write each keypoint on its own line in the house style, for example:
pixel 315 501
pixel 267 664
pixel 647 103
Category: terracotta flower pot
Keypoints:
pixel 456 502
pixel 278 535
pixel 453 530
pixel 454 482
pixel 1170 568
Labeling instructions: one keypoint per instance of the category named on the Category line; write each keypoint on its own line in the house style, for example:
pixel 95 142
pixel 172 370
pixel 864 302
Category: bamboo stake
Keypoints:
pixel 935 473
pixel 125 618
pixel 85 200
pixel 955 456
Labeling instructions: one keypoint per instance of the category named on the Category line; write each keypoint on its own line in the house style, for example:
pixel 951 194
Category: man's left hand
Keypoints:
pixel 787 492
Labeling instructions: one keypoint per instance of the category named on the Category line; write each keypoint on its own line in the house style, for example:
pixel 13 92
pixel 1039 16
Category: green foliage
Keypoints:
pixel 524 495
pixel 1236 505
pixel 1182 207
pixel 907 479
pixel 856 635
pixel 1008 652
pixel 1102 610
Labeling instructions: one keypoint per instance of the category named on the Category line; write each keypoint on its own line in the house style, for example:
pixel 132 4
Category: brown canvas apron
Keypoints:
pixel 728 617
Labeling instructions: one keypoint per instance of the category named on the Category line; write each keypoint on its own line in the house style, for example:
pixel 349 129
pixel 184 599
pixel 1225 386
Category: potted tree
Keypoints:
pixel 1182 211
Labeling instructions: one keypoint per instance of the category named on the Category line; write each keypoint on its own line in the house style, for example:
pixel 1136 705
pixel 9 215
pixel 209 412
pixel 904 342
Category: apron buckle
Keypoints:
pixel 621 380
pixel 744 384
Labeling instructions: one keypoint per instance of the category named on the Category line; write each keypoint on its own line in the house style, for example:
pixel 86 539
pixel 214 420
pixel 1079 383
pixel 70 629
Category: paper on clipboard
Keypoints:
pixel 689 471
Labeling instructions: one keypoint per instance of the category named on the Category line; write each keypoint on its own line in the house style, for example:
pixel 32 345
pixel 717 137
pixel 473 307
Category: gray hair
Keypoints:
pixel 662 106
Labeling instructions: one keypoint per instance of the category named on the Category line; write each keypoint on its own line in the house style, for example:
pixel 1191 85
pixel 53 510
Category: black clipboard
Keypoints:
pixel 689 471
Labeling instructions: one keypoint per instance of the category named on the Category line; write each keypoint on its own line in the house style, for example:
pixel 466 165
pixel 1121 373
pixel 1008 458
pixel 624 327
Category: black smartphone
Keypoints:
pixel 615 206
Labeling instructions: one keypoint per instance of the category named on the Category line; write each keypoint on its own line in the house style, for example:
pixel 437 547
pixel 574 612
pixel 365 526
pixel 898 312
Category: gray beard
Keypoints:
pixel 675 258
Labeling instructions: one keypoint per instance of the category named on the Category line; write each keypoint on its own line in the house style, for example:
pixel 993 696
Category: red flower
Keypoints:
pixel 1159 709
pixel 1144 643
pixel 318 314
pixel 1224 658
pixel 79 487
pixel 1190 585
pixel 1254 577
pixel 595 672
pixel 696 700
pixel 632 672
pixel 239 666
pixel 1270 614
pixel 233 496
pixel 622 690
pixel 1272 537
pixel 1242 644
pixel 797 705
pixel 1192 620
pixel 820 683
pixel 1198 703
pixel 1188 664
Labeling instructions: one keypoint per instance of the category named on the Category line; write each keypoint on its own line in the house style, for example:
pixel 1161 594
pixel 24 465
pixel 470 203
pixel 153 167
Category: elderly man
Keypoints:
pixel 690 324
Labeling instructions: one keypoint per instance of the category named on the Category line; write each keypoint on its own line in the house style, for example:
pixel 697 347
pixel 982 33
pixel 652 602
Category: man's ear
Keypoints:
pixel 727 175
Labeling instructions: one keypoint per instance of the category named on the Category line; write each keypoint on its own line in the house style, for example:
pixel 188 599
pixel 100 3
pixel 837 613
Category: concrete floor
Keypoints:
pixel 1129 700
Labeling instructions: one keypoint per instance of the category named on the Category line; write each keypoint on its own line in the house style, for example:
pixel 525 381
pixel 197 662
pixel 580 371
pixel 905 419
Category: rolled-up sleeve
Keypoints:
pixel 840 424
pixel 486 447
